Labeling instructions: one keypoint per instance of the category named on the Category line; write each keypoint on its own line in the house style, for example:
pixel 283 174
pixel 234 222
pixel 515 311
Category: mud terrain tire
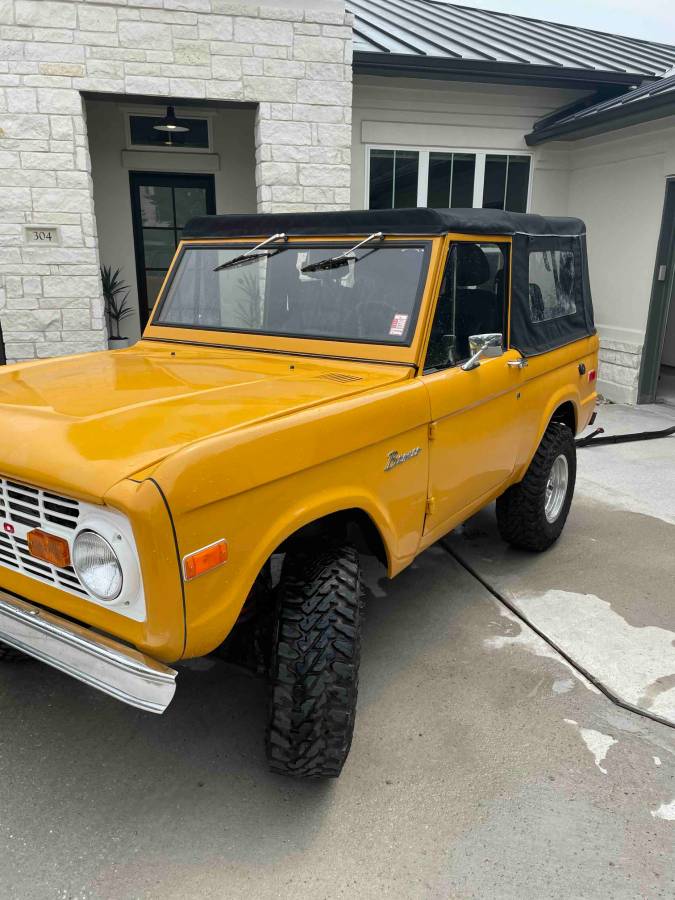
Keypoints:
pixel 314 669
pixel 521 510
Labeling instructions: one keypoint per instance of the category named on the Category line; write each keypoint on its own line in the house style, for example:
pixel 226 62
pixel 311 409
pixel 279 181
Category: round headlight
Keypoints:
pixel 97 565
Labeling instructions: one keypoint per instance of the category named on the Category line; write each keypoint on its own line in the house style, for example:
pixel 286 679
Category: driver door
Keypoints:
pixel 474 414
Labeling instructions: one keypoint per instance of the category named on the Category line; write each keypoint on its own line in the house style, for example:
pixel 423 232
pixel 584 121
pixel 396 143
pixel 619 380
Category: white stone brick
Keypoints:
pixel 192 53
pixel 45 13
pixel 32 286
pixel 59 101
pixel 54 52
pixel 324 71
pixel 187 87
pixel 97 38
pixel 24 127
pixel 250 66
pixel 288 153
pixel 325 93
pixel 65 69
pixel 225 90
pixel 334 135
pixel 215 28
pixel 19 352
pixel 145 34
pixel 334 176
pixel 312 113
pixel 15 198
pixel 260 31
pixel 284 68
pixel 31 320
pixel 22 303
pixel 69 348
pixel 76 319
pixel 289 14
pixel 8 160
pixel 287 194
pixel 21 100
pixel 97 18
pixel 318 48
pixel 227 67
pixel 48 161
pixel 58 35
pixel 61 200
pixel 11 50
pixel 272 173
pixel 189 5
pixel 139 84
pixel 71 286
pixel 285 133
pixel 262 88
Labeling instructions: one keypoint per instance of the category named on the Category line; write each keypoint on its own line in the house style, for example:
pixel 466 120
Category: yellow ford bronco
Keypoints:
pixel 310 387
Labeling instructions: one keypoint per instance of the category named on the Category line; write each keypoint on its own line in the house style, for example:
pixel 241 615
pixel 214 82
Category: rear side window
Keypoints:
pixel 554 284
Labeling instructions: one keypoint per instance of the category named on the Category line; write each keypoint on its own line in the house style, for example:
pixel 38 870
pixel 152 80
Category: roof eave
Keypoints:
pixel 442 68
pixel 611 120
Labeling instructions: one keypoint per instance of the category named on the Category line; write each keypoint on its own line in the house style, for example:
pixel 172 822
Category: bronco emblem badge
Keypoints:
pixel 394 458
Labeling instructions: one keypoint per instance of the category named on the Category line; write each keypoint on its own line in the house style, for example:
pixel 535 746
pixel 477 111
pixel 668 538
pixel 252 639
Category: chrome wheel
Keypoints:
pixel 556 488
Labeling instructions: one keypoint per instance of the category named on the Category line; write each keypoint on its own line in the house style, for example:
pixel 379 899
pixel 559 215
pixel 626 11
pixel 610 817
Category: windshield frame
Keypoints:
pixel 316 345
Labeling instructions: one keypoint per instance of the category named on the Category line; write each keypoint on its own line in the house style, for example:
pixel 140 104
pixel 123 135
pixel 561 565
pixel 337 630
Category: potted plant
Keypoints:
pixel 115 294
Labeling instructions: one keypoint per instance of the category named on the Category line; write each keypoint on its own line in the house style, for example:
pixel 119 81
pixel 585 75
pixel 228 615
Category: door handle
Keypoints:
pixel 517 363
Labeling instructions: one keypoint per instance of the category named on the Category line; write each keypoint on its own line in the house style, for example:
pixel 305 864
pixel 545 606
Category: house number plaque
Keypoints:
pixel 41 235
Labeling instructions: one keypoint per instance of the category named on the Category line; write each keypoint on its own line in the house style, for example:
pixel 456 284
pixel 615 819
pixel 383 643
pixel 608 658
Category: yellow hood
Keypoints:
pixel 81 424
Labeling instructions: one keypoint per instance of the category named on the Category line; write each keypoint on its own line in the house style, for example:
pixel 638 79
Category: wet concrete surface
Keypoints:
pixel 472 775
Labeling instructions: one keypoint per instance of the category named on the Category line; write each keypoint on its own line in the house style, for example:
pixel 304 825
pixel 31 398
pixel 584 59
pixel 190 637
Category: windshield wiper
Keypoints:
pixel 251 254
pixel 335 262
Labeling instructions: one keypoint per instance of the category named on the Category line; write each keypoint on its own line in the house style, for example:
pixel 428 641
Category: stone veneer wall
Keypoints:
pixel 294 61
pixel 619 370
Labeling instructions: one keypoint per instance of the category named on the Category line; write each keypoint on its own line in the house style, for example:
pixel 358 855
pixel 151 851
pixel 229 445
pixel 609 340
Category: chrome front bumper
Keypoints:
pixel 90 657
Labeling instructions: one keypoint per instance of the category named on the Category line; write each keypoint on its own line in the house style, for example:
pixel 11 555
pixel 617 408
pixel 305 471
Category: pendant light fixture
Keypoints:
pixel 170 123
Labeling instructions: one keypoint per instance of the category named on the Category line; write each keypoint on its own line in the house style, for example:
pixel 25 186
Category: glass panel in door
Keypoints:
pixel 161 206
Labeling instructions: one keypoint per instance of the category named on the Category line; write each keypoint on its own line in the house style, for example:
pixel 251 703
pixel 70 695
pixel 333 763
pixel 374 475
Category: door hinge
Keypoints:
pixel 431 506
pixel 432 431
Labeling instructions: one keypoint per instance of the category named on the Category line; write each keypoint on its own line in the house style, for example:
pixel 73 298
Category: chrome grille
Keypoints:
pixel 23 508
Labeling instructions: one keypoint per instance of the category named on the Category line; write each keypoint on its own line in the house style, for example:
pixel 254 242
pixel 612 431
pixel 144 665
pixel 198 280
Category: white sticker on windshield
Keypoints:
pixel 398 324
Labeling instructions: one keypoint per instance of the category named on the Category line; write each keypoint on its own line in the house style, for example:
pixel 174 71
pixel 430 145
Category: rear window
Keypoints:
pixel 554 284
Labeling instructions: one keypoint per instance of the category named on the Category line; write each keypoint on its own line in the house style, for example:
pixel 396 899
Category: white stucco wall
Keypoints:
pixel 456 115
pixel 232 164
pixel 617 185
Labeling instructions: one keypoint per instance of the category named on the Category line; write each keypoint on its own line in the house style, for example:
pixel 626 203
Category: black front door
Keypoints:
pixel 161 204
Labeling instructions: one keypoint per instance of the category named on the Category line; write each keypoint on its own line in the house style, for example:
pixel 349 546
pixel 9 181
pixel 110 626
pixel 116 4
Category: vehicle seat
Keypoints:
pixel 479 311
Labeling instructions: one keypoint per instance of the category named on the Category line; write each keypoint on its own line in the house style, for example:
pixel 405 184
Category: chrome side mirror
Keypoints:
pixel 483 345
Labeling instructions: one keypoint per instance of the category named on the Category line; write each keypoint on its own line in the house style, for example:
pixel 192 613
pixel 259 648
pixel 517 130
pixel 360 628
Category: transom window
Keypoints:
pixel 447 178
pixel 141 133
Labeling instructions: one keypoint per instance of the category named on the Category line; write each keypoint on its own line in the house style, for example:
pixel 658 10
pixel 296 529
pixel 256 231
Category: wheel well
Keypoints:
pixel 566 414
pixel 353 525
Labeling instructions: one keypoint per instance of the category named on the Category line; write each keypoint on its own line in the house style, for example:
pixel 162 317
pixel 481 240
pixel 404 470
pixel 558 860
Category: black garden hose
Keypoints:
pixel 593 439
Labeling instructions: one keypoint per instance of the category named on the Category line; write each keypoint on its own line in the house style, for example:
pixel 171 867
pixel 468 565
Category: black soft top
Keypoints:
pixel 560 244
pixel 418 220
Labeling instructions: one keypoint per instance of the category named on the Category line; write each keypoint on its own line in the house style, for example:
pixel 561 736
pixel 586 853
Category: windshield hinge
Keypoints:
pixel 430 507
pixel 432 431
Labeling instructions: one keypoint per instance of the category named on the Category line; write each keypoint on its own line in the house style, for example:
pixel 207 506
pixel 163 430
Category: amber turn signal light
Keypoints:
pixel 204 560
pixel 48 547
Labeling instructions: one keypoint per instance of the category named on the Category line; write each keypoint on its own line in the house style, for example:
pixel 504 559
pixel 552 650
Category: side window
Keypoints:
pixel 554 281
pixel 472 300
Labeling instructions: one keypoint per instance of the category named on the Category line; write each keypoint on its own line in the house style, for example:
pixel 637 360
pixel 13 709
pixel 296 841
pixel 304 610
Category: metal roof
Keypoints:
pixel 653 100
pixel 431 37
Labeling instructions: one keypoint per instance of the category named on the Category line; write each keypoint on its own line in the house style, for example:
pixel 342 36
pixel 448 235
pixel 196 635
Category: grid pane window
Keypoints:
pixel 506 181
pixel 161 205
pixel 393 178
pixel 451 177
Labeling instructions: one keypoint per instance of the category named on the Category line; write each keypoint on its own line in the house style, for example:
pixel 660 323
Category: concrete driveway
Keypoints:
pixel 484 765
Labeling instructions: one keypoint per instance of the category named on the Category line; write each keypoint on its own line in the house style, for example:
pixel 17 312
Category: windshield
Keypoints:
pixel 374 298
